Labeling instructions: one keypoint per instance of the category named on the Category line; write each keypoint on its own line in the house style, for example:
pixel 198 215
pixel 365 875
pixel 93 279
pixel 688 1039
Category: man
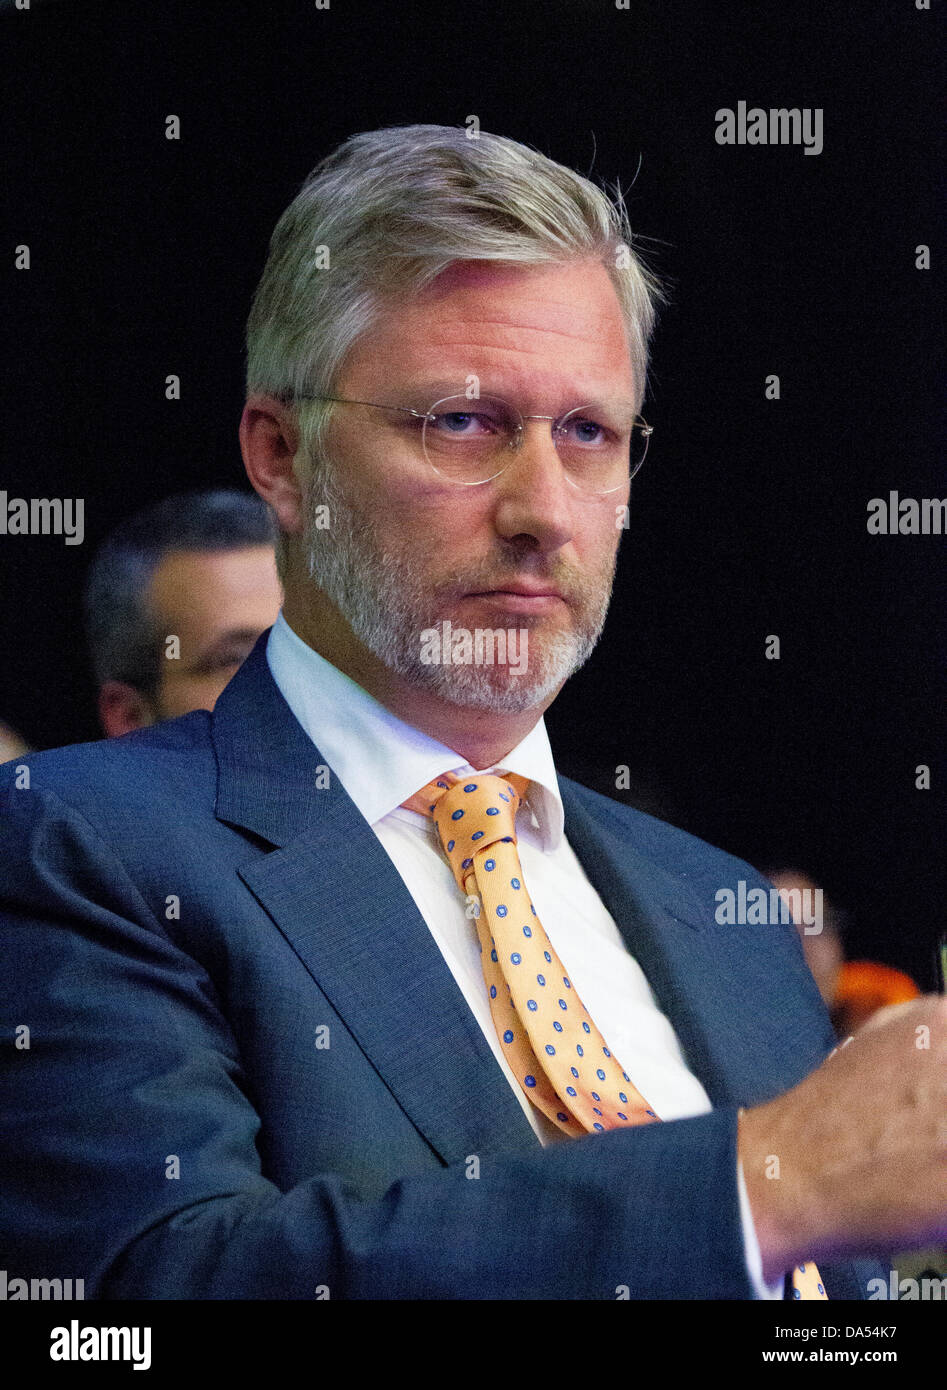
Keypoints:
pixel 174 601
pixel 271 1031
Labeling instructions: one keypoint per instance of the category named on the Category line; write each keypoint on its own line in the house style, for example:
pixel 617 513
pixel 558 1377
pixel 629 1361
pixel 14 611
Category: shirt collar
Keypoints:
pixel 381 760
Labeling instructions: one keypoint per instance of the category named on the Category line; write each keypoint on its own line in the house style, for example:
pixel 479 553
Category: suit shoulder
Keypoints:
pixel 115 777
pixel 675 850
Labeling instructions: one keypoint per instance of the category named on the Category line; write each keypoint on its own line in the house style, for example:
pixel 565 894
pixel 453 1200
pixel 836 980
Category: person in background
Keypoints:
pixel 11 744
pixel 853 990
pixel 198 567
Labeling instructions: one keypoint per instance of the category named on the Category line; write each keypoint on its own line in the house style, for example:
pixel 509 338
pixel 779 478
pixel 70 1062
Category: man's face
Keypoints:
pixel 406 550
pixel 217 603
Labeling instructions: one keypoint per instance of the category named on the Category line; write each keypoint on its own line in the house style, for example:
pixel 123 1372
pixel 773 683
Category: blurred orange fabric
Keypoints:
pixel 864 987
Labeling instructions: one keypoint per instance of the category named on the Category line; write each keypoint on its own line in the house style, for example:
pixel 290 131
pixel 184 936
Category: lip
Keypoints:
pixel 523 587
pixel 521 597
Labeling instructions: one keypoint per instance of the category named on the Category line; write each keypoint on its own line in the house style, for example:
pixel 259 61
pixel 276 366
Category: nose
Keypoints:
pixel 534 496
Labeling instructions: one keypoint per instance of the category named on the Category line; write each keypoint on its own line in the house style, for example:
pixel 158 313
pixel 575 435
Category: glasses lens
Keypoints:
pixel 468 441
pixel 600 454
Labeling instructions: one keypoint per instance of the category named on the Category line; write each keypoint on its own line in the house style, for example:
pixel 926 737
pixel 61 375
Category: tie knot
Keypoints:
pixel 471 813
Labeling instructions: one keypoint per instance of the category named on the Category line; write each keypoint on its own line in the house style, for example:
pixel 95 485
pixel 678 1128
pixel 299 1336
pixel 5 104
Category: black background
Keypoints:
pixel 749 517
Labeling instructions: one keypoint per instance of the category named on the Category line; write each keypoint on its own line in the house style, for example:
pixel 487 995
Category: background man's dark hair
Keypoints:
pixel 123 641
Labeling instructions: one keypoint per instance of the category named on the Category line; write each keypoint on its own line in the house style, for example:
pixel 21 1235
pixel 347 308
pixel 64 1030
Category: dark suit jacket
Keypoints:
pixel 184 909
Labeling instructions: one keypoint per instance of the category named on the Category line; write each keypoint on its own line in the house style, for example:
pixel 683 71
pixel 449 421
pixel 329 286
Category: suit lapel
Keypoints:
pixel 332 890
pixel 695 972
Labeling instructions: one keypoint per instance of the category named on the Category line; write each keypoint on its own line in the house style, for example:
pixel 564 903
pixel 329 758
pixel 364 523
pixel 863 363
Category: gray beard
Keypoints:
pixel 381 599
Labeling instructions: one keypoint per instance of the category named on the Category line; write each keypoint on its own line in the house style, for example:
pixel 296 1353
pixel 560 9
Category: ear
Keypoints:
pixel 123 708
pixel 269 442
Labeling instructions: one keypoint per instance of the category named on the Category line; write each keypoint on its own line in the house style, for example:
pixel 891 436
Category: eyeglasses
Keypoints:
pixel 470 442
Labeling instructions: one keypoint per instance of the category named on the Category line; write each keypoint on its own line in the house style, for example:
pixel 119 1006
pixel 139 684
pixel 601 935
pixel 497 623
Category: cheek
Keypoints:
pixel 188 692
pixel 597 540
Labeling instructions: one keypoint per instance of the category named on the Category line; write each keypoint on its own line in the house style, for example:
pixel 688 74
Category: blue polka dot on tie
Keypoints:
pixel 501 910
pixel 532 909
pixel 515 957
pixel 527 931
pixel 493 810
pixel 493 956
pixel 470 787
pixel 600 1074
pixel 456 815
pixel 508 1036
pixel 489 864
pixel 530 1080
pixel 574 1071
pixel 477 835
pixel 595 1095
pixel 566 982
pixel 622 1097
pixel 442 784
pixel 541 980
pixel 586 1028
pixel 563 1004
pixel 621 1116
pixel 595 1110
pixel 561 1115
pixel 596 1125
pixel 571 1091
pixel 550 1049
pixel 514 883
pixel 466 864
pixel 450 845
pixel 557 1025
pixel 578 1048
pixel 796 1293
pixel 547 955
pixel 606 1051
pixel 532 1005
pixel 493 991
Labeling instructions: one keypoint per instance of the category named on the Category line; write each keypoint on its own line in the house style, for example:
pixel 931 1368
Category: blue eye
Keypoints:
pixel 586 431
pixel 455 422
pixel 462 422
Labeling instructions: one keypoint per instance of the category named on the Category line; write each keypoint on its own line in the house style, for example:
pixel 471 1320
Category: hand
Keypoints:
pixel 853 1160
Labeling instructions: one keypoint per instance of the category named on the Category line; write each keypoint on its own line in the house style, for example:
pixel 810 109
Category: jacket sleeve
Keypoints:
pixel 129 1139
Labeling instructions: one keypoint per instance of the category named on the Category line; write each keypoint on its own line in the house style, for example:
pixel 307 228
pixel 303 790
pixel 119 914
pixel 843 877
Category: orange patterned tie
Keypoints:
pixel 554 1049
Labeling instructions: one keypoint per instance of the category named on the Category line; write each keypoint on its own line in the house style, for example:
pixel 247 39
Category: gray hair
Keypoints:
pixel 393 208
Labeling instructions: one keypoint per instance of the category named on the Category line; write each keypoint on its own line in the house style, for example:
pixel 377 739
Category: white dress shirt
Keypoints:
pixel 381 761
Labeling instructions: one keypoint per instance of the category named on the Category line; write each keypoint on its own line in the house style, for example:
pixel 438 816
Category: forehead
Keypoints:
pixel 538 329
pixel 212 584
